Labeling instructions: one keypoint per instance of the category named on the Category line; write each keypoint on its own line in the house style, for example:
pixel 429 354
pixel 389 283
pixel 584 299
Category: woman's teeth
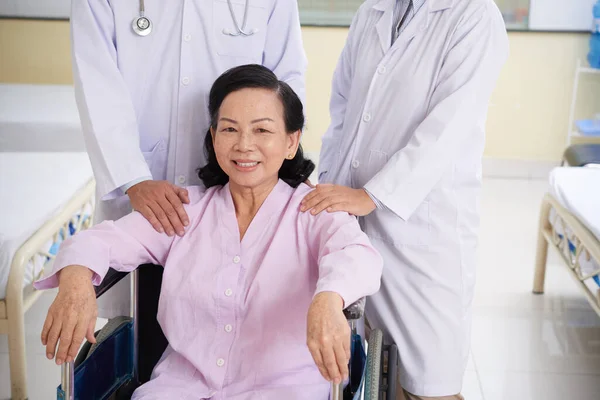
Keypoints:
pixel 247 165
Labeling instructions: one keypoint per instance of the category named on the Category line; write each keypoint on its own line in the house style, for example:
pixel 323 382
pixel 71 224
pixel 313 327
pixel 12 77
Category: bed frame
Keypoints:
pixel 18 301
pixel 585 244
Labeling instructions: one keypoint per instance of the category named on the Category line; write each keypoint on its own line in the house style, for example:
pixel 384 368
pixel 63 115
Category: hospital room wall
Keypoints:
pixel 528 117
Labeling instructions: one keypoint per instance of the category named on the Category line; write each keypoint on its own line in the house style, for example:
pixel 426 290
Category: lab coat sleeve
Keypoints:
pixel 458 108
pixel 284 51
pixel 106 110
pixel 122 245
pixel 348 264
pixel 340 90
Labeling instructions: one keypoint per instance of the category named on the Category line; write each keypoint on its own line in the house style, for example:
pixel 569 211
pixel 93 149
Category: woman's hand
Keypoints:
pixel 328 336
pixel 161 203
pixel 72 315
pixel 338 198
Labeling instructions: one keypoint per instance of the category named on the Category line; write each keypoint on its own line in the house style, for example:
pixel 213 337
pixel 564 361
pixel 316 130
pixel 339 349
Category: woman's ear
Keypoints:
pixel 294 142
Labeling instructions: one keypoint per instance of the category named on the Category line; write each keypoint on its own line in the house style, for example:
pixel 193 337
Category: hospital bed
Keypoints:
pixel 123 358
pixel 41 118
pixel 570 223
pixel 44 199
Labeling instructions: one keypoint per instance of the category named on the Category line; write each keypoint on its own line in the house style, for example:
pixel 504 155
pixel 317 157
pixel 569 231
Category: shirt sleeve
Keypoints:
pixel 122 245
pixel 284 51
pixel 108 118
pixel 458 108
pixel 348 264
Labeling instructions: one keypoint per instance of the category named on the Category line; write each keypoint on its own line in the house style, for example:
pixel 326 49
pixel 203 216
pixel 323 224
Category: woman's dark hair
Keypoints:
pixel 294 171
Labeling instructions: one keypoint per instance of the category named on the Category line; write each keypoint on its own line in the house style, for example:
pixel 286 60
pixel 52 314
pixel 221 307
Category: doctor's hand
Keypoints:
pixel 72 315
pixel 161 203
pixel 338 198
pixel 328 336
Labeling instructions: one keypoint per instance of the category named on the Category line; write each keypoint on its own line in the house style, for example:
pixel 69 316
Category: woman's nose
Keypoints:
pixel 245 141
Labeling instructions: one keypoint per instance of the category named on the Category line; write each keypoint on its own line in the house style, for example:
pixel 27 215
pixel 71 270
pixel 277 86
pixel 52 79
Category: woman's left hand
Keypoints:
pixel 338 198
pixel 328 336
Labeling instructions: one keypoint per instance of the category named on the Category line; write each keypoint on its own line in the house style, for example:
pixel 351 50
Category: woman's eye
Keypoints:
pixel 228 129
pixel 263 130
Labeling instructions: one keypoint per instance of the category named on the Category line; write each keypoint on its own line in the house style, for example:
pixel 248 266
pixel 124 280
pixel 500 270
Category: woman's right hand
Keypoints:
pixel 72 315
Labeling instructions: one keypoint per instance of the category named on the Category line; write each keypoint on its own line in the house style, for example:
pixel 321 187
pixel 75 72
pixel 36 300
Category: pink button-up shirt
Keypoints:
pixel 234 312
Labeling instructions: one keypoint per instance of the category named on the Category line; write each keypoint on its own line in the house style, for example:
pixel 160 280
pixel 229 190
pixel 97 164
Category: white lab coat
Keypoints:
pixel 407 124
pixel 143 100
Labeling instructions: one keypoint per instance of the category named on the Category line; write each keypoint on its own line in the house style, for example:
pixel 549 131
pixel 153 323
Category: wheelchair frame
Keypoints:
pixel 385 383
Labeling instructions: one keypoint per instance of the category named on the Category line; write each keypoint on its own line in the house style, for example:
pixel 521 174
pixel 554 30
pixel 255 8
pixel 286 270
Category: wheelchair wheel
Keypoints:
pixel 373 373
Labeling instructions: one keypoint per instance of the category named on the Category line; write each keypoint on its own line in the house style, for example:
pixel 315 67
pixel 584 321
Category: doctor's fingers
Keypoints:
pixel 172 214
pixel 177 204
pixel 319 191
pixel 147 212
pixel 183 194
pixel 329 202
pixel 161 216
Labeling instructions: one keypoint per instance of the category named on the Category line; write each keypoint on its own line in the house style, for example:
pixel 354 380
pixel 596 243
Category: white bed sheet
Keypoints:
pixel 39 118
pixel 33 188
pixel 578 190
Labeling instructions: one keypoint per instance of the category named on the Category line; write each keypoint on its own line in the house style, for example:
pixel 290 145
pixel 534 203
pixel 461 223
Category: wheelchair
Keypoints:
pixel 128 348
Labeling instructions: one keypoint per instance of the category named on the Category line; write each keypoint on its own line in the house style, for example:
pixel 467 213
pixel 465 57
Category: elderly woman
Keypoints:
pixel 251 282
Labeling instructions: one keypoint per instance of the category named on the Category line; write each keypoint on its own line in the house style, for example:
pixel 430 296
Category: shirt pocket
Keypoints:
pixel 156 159
pixel 229 41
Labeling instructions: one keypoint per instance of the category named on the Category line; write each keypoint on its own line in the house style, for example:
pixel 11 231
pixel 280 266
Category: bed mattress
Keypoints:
pixel 39 118
pixel 34 188
pixel 578 190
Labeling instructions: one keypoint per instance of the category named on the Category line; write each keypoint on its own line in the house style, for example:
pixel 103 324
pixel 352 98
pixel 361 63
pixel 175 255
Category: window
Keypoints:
pixel 328 12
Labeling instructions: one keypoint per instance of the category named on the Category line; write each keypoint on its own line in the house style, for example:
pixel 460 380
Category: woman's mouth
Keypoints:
pixel 245 165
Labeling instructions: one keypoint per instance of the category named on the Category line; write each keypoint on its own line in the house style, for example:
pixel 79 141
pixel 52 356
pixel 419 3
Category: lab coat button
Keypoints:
pixel 381 70
pixel 355 164
pixel 187 37
pixel 228 292
pixel 228 328
pixel 367 117
pixel 181 179
pixel 236 259
pixel 220 362
pixel 185 80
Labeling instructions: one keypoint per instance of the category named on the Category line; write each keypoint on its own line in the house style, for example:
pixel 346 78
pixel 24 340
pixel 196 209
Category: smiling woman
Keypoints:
pixel 254 135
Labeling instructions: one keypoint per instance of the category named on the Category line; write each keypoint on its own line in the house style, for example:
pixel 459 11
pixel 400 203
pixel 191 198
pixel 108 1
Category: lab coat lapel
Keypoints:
pixel 384 25
pixel 421 21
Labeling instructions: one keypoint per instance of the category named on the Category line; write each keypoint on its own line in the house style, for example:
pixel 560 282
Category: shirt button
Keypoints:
pixel 381 70
pixel 181 179
pixel 366 117
pixel 228 328
pixel 228 292
pixel 236 259
pixel 185 80
pixel 220 362
pixel 355 164
pixel 187 37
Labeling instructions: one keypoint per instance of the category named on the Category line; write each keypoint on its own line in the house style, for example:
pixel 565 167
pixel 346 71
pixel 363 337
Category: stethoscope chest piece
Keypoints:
pixel 142 26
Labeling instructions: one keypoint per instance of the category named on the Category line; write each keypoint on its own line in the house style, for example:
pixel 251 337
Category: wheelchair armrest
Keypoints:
pixel 111 279
pixel 355 310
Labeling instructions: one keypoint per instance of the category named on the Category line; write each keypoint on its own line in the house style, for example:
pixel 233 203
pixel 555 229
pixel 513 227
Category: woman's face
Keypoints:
pixel 250 140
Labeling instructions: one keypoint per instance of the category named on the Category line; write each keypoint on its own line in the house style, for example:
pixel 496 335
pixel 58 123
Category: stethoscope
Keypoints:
pixel 143 26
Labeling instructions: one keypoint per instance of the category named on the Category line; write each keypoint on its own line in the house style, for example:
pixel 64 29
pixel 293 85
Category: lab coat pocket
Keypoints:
pixel 228 19
pixel 387 226
pixel 157 160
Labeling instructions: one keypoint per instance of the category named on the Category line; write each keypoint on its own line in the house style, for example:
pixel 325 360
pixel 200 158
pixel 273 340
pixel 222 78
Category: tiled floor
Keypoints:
pixel 524 347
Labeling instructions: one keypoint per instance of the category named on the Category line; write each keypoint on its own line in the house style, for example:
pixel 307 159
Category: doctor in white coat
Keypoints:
pixel 142 73
pixel 403 151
